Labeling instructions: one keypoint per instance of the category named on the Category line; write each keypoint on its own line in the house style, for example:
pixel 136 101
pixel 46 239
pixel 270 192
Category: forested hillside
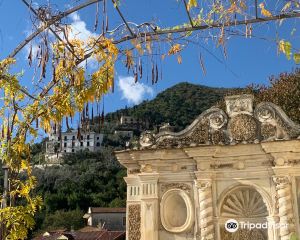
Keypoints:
pixel 178 105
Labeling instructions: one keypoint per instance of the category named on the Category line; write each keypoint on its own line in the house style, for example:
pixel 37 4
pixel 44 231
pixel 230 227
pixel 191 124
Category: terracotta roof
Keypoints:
pixel 107 210
pixel 90 229
pixel 93 235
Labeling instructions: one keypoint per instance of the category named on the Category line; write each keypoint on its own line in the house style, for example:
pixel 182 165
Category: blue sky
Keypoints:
pixel 248 60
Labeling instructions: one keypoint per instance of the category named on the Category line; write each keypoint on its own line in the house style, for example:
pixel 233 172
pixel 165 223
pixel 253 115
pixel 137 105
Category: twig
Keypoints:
pixel 49 23
pixel 188 13
pixel 121 15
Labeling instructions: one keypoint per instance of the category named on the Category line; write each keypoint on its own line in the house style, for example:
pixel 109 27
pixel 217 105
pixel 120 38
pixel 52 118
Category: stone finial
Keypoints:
pixel 238 104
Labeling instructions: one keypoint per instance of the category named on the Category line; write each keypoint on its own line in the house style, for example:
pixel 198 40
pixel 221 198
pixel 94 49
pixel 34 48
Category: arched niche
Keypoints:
pixel 176 211
pixel 244 204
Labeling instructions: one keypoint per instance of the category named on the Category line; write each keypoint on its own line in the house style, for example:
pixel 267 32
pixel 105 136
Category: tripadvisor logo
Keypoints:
pixel 231 225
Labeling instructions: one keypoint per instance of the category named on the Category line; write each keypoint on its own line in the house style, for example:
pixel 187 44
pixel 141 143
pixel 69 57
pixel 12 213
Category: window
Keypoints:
pixel 58 144
pixel 73 138
pixel 88 143
pixel 73 144
pixel 97 138
pixel 65 150
pixel 81 144
pixel 81 137
pixel 88 136
pixel 65 144
pixel 124 221
pixel 58 139
pixel 66 138
pixel 73 150
pixel 98 144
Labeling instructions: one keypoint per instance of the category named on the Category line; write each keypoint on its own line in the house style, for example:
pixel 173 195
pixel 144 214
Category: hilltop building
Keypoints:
pixel 71 141
pixel 242 163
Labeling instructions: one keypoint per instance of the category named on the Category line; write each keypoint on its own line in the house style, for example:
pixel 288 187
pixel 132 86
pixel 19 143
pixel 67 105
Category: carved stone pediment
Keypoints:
pixel 242 123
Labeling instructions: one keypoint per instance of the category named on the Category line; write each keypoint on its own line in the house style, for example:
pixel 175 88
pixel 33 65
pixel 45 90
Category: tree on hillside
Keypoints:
pixel 63 86
pixel 284 91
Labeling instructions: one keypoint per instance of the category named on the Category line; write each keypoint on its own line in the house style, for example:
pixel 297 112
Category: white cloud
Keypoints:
pixel 134 92
pixel 79 29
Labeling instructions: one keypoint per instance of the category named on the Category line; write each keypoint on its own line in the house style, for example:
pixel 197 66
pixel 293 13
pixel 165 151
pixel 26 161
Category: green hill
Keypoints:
pixel 178 105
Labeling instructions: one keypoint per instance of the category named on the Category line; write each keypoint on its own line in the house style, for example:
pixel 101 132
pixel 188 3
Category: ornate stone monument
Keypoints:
pixel 242 164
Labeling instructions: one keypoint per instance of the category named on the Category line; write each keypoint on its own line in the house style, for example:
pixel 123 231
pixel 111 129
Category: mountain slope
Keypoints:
pixel 178 105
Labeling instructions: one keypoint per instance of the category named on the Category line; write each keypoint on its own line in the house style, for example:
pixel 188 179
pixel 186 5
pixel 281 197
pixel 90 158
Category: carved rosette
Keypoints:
pixel 206 209
pixel 134 222
pixel 243 127
pixel 285 206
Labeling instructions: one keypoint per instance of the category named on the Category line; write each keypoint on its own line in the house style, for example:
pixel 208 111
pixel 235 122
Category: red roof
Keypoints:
pixel 78 235
pixel 107 210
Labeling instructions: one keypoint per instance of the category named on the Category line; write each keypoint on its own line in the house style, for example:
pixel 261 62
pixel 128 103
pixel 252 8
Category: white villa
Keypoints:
pixel 68 142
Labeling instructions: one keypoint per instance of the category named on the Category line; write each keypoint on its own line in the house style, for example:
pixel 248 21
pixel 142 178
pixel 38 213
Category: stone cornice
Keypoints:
pixel 216 158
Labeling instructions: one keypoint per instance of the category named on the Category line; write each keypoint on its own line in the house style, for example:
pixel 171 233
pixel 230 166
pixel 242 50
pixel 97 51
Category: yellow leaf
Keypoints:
pixel 286 48
pixel 297 58
pixel 286 6
pixel 174 49
pixel 191 4
pixel 264 11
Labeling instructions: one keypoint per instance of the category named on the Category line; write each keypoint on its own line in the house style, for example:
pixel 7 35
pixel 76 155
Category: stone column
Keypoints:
pixel 206 209
pixel 149 206
pixel 285 206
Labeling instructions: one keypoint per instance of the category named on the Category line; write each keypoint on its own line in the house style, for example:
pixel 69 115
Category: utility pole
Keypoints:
pixel 4 198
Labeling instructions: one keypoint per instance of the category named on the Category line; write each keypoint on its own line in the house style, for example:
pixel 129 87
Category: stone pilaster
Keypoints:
pixel 206 208
pixel 285 206
pixel 133 212
pixel 149 206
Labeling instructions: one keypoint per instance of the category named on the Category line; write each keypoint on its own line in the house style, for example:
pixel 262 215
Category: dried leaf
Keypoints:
pixel 202 64
pixel 176 48
pixel 179 59
pixel 30 56
pixel 191 4
pixel 264 11
pixel 156 74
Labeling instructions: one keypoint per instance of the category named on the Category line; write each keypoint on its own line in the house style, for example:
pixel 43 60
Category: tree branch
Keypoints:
pixel 121 15
pixel 50 28
pixel 48 24
pixel 201 27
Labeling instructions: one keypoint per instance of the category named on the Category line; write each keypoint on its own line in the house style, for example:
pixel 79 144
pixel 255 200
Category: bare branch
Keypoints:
pixel 202 27
pixel 121 15
pixel 48 24
pixel 50 28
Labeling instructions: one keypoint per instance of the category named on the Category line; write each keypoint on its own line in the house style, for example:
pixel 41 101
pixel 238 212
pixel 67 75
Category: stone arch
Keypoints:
pixel 247 203
pixel 264 194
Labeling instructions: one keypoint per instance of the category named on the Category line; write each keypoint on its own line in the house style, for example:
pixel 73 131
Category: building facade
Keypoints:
pixel 113 219
pixel 225 173
pixel 68 142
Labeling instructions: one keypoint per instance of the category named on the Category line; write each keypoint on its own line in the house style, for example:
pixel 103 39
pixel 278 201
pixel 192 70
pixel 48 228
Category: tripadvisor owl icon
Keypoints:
pixel 231 225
